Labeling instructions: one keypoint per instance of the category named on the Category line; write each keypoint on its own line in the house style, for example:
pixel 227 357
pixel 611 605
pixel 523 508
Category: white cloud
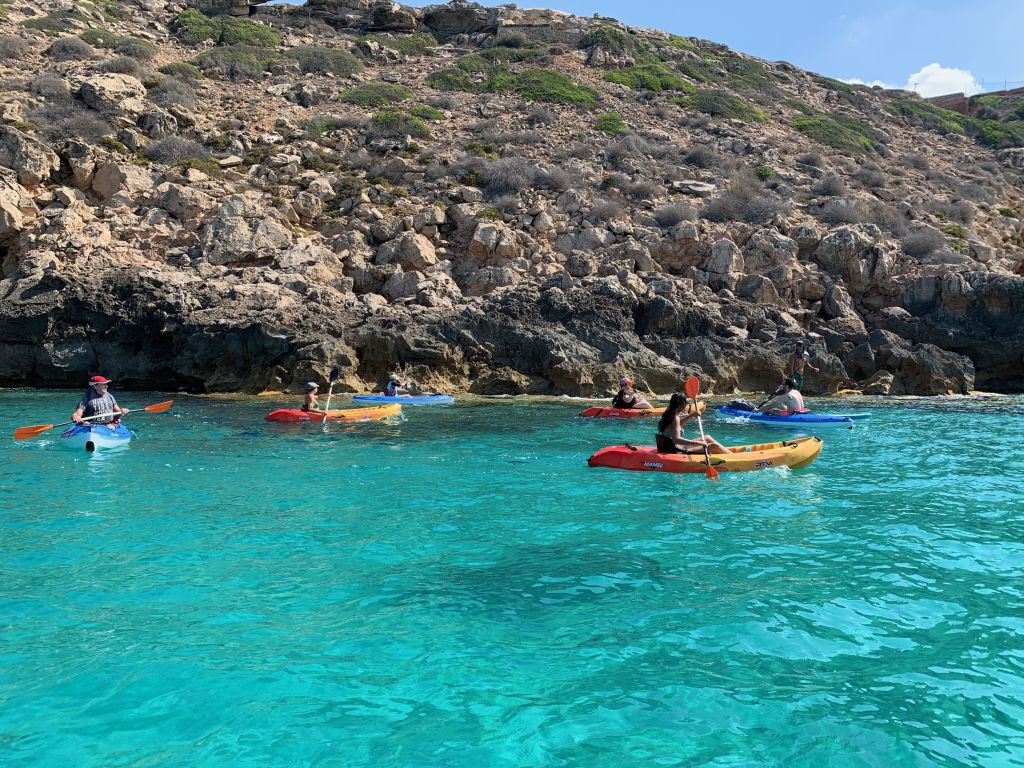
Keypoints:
pixel 933 80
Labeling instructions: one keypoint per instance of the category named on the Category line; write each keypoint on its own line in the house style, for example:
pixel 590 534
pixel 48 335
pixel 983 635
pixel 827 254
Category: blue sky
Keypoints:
pixel 974 43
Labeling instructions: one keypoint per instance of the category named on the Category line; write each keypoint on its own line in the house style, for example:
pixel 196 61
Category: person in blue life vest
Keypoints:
pixel 97 405
pixel 395 388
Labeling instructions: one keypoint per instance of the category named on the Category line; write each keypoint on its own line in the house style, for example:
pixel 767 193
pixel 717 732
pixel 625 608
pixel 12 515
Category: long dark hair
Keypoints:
pixel 675 404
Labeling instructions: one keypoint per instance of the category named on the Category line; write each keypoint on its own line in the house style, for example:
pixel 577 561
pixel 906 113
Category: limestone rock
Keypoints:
pixel 114 178
pixel 31 160
pixel 114 94
pixel 410 250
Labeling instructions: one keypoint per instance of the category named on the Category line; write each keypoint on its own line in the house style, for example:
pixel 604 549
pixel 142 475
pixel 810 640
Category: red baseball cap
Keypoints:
pixel 99 380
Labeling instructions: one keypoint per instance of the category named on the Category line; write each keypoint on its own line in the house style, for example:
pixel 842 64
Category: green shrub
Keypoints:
pixel 317 60
pixel 100 38
pixel 182 70
pixel 421 44
pixel 844 134
pixel 320 125
pixel 954 230
pixel 611 123
pixel 237 62
pixel 395 124
pixel 210 166
pixel 236 31
pixel 481 149
pixel 649 77
pixel 997 135
pixel 553 87
pixel 1008 213
pixel 375 94
pixel 765 172
pixel 143 50
pixel 55 23
pixel 501 54
pixel 720 103
pixel 751 77
pixel 612 39
pixel 193 27
pixel 109 142
pixel 423 112
pixel 490 212
pixel 453 79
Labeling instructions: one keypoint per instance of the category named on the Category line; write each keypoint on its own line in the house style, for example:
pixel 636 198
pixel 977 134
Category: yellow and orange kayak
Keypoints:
pixel 742 458
pixel 296 416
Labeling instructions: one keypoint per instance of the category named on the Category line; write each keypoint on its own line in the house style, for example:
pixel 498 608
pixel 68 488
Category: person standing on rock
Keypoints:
pixel 799 360
pixel 312 402
pixel 627 397
pixel 97 402
pixel 789 400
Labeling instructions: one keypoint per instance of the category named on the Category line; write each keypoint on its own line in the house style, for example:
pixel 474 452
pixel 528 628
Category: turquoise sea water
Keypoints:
pixel 459 589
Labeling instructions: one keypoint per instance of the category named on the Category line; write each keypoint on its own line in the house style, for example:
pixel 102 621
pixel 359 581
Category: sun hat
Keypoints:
pixel 99 380
pixel 311 385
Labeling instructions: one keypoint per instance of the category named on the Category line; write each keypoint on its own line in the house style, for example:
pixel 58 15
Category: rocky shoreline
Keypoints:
pixel 518 246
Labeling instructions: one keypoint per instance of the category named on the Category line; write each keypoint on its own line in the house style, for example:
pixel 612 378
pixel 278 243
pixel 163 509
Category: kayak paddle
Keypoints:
pixel 24 433
pixel 333 377
pixel 692 388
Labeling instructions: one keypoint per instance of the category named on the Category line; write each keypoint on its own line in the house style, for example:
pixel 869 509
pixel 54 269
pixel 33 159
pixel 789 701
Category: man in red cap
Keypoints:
pixel 97 401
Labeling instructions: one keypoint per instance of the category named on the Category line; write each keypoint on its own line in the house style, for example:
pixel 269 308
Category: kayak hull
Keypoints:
pixel 744 458
pixel 802 420
pixel 345 416
pixel 406 399
pixel 95 437
pixel 600 412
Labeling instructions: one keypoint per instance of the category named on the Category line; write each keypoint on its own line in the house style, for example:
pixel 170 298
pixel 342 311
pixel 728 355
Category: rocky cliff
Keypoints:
pixel 226 197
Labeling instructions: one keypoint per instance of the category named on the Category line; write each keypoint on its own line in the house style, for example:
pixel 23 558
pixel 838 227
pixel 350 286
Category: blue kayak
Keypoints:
pixel 406 399
pixel 93 437
pixel 803 420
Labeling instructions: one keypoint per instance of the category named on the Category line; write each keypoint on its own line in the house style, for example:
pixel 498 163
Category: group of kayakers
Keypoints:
pixel 785 399
pixel 99 406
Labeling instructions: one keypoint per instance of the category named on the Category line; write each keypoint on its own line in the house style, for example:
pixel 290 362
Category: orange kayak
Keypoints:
pixel 742 458
pixel 599 412
pixel 296 416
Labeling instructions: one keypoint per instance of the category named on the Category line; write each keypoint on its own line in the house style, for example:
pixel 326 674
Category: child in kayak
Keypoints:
pixel 787 399
pixel 669 436
pixel 312 402
pixel 97 402
pixel 627 397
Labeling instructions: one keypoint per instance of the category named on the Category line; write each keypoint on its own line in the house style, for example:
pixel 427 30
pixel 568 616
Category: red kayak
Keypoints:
pixel 600 412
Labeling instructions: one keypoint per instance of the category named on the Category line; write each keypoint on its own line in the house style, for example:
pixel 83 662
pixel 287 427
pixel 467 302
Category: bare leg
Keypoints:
pixel 643 405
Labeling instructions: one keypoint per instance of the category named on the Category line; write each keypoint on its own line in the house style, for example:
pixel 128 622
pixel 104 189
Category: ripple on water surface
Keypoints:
pixel 459 589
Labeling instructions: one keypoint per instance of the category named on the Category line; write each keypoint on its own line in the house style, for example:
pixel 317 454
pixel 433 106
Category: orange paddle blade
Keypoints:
pixel 159 407
pixel 712 473
pixel 24 433
pixel 692 387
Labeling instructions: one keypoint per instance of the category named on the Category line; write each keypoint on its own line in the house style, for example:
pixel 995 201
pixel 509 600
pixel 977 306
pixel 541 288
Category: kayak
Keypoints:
pixel 843 421
pixel 347 416
pixel 599 412
pixel 93 437
pixel 406 399
pixel 744 458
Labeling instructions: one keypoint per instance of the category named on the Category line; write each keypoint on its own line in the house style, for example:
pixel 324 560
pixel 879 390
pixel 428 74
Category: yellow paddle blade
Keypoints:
pixel 159 407
pixel 692 387
pixel 24 433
